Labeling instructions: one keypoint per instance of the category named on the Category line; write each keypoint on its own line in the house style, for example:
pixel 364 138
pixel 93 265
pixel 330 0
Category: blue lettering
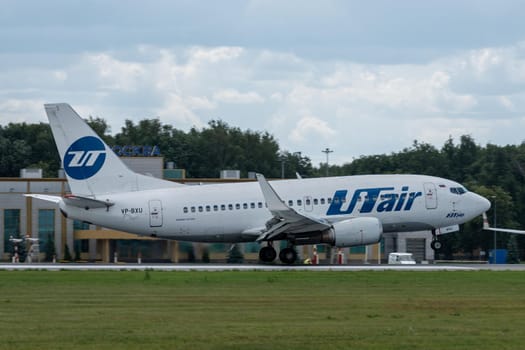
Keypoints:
pixel 147 150
pixel 388 204
pixel 156 151
pixel 136 151
pixel 373 198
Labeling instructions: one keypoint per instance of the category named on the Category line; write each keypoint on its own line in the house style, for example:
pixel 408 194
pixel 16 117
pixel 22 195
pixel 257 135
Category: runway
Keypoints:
pixel 254 267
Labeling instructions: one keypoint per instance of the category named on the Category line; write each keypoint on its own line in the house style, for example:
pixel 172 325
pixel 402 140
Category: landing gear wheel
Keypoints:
pixel 267 254
pixel 436 245
pixel 288 256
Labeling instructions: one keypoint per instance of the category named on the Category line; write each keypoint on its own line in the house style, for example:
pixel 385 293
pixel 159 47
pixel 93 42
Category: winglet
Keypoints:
pixel 275 203
pixel 486 225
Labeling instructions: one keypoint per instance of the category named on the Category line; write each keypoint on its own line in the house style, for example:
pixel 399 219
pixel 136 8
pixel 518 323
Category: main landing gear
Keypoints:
pixel 436 244
pixel 268 254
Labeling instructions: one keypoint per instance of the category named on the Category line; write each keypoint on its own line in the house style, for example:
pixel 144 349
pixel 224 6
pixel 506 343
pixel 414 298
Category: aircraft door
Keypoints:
pixel 308 203
pixel 430 195
pixel 155 213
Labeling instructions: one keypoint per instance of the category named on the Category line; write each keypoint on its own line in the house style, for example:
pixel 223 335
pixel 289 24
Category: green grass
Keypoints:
pixel 262 310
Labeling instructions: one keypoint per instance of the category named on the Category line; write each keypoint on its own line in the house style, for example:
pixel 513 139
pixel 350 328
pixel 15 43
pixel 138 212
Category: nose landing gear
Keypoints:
pixel 436 244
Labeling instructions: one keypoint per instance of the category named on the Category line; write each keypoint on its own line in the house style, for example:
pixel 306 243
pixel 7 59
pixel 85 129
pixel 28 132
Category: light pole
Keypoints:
pixel 327 151
pixel 495 241
pixel 283 160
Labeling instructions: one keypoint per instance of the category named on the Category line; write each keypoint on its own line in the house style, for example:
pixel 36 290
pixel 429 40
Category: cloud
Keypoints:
pixel 311 128
pixel 351 107
pixel 236 97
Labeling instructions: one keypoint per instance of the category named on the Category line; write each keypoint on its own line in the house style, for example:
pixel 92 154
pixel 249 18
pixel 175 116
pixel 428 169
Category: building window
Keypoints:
pixel 81 246
pixel 46 228
pixel 11 227
pixel 80 225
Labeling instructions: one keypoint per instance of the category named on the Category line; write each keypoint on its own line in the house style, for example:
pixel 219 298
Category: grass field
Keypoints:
pixel 262 310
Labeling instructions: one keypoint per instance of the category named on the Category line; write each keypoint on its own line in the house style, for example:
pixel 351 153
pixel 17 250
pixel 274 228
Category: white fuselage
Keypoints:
pixel 237 212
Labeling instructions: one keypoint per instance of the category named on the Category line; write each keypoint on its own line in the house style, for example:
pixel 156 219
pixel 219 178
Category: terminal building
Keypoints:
pixel 22 216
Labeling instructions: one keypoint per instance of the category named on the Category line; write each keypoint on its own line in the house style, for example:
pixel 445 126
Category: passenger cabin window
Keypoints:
pixel 245 205
pixel 223 207
pixel 322 201
pixel 299 202
pixel 230 206
pixel 290 203
pixel 329 200
pixel 316 201
pixel 185 210
pixel 215 208
pixel 252 205
pixel 237 206
pixel 260 205
pixel 308 201
pixel 208 208
pixel 200 209
pixel 193 209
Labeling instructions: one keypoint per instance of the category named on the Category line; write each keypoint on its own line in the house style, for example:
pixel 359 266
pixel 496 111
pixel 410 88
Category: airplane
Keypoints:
pixel 339 211
pixel 487 227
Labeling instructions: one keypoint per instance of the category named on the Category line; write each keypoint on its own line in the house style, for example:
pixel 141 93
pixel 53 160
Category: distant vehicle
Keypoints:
pixel 401 259
pixel 340 211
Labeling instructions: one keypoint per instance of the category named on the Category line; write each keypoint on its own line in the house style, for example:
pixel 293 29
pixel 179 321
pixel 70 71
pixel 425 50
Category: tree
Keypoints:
pixel 67 253
pixel 235 255
pixel 50 251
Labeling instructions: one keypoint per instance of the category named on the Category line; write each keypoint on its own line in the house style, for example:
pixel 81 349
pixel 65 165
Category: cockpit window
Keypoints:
pixel 458 190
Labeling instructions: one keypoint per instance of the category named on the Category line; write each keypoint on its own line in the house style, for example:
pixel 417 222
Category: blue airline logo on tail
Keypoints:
pixel 382 199
pixel 84 158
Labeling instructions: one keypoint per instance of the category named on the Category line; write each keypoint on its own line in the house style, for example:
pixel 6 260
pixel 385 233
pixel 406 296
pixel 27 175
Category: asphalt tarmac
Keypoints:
pixel 254 267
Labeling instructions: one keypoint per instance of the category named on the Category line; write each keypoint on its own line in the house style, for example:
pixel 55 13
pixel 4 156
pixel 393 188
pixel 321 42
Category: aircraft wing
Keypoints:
pixel 507 230
pixel 285 219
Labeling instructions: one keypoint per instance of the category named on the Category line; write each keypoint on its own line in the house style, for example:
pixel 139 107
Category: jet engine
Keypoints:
pixel 358 231
pixel 347 233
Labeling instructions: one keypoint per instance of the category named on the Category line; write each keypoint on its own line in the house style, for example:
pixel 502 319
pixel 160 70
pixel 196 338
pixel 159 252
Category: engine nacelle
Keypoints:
pixel 347 233
pixel 358 231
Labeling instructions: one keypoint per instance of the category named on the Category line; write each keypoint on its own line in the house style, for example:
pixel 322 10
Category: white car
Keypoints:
pixel 401 259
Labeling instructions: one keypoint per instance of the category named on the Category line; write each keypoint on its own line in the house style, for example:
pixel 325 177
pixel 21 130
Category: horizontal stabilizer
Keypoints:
pixel 45 197
pixel 87 203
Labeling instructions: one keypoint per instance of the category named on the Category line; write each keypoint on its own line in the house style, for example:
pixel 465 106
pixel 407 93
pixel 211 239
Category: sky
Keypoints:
pixel 358 77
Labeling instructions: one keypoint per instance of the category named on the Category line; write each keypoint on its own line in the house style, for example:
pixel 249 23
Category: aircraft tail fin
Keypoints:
pixel 91 166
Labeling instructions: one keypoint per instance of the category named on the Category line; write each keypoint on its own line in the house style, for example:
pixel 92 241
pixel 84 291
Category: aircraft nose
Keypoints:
pixel 483 203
